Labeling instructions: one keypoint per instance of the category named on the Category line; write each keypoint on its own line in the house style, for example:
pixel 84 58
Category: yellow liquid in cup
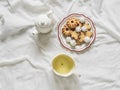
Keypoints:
pixel 63 64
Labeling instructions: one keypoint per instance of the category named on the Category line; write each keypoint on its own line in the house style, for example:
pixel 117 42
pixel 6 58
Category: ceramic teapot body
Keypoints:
pixel 43 23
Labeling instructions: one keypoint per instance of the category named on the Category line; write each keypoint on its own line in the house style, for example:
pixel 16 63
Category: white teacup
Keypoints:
pixel 63 65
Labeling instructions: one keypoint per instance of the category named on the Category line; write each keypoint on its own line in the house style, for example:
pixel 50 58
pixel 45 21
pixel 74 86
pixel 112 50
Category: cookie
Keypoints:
pixel 66 31
pixel 82 19
pixel 82 33
pixel 81 39
pixel 73 42
pixel 78 23
pixel 87 39
pixel 68 39
pixel 87 25
pixel 74 35
pixel 72 23
pixel 88 34
pixel 78 29
pixel 84 28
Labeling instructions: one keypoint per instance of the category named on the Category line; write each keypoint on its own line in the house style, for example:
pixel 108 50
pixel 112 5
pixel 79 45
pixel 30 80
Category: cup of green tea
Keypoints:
pixel 63 65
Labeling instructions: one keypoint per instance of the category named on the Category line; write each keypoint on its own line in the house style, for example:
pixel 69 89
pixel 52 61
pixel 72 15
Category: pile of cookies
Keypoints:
pixel 77 30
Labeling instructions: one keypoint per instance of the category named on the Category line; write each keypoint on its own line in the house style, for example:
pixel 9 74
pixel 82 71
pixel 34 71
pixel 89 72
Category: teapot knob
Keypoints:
pixel 42 24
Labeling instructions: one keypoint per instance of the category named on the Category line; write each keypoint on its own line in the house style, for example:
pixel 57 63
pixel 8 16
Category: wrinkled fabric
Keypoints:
pixel 97 68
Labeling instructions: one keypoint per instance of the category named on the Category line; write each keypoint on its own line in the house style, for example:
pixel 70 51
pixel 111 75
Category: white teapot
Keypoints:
pixel 44 23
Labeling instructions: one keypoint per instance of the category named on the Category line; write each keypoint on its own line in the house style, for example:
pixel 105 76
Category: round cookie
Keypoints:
pixel 72 23
pixel 66 31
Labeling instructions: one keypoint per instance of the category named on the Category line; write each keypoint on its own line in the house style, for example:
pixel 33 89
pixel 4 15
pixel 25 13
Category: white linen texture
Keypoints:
pixel 25 59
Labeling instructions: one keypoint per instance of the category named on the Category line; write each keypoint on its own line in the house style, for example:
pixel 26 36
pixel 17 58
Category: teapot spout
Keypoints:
pixel 49 13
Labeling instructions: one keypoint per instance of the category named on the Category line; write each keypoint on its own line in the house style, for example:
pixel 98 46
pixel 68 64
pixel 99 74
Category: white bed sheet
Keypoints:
pixel 25 60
